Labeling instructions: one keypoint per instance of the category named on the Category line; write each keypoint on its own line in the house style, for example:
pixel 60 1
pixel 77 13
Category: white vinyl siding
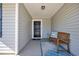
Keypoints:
pixel 25 27
pixel 7 42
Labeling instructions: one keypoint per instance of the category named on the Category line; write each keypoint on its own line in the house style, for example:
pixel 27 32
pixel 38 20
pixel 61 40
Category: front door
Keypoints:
pixel 36 29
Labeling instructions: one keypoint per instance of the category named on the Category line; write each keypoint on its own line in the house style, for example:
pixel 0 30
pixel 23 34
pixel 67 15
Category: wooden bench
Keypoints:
pixel 62 38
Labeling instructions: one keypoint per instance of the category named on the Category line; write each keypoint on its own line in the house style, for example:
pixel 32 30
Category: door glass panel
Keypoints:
pixel 37 29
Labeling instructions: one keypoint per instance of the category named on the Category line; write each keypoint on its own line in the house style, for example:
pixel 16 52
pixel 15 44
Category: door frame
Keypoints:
pixel 33 28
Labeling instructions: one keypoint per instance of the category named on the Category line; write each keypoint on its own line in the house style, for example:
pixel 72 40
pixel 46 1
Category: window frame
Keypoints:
pixel 1 20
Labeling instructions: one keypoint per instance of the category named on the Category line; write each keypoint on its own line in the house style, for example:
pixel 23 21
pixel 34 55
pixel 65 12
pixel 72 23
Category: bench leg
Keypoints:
pixel 68 48
pixel 57 48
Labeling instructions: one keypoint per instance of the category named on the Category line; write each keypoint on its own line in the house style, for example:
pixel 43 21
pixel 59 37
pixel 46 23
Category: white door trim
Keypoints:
pixel 16 30
pixel 33 26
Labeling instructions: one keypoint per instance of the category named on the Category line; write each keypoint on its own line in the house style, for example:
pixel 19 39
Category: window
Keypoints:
pixel 0 20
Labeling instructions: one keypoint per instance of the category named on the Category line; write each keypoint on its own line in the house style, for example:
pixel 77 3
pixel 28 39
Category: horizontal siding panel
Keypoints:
pixel 8 28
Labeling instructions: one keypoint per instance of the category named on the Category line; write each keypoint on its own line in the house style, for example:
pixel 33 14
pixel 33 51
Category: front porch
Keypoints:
pixel 45 48
pixel 64 20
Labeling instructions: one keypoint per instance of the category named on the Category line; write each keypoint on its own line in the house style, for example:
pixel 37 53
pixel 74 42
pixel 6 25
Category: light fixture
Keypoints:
pixel 43 7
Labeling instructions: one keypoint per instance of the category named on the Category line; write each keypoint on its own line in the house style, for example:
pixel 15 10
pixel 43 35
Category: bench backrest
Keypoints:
pixel 64 36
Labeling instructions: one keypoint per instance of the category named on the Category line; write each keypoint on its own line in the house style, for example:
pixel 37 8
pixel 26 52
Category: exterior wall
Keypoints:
pixel 67 20
pixel 25 27
pixel 46 28
pixel 7 41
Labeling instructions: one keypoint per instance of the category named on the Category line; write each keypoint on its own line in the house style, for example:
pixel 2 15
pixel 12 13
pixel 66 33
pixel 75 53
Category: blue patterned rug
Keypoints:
pixel 55 53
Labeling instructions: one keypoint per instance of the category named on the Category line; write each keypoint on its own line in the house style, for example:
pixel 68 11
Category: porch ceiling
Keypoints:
pixel 36 12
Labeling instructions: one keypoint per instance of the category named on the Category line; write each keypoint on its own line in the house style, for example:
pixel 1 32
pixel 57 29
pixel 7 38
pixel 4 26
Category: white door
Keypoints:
pixel 36 29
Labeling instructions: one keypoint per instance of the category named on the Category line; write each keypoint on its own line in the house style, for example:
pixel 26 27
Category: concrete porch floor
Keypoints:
pixel 32 49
